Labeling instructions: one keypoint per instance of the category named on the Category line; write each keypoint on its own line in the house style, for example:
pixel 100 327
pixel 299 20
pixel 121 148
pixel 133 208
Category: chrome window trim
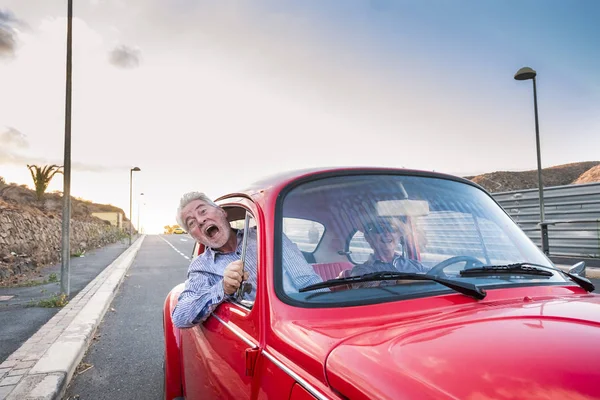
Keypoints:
pixel 311 389
pixel 296 377
pixel 236 333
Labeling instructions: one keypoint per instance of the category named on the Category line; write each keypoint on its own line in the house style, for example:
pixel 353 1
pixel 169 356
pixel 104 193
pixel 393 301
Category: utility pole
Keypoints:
pixel 65 277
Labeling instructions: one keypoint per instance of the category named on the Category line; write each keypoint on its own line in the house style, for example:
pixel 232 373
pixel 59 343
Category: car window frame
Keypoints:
pixel 247 304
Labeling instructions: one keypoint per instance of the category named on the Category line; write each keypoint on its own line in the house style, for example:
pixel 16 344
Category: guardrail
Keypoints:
pixel 572 217
pixel 572 224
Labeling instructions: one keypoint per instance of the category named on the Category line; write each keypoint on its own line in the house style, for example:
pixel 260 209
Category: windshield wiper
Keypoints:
pixel 526 268
pixel 521 269
pixel 465 288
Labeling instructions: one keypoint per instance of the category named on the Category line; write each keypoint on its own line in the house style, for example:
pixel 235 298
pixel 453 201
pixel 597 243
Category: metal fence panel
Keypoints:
pixel 574 211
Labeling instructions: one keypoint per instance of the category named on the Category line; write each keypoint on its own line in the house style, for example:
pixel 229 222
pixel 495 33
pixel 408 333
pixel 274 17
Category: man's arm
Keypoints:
pixel 294 264
pixel 197 301
pixel 200 298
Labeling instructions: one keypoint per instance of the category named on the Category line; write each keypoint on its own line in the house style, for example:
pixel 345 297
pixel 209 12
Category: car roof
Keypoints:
pixel 272 184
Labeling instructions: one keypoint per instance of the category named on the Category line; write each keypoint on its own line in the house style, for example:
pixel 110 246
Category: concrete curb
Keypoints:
pixel 43 366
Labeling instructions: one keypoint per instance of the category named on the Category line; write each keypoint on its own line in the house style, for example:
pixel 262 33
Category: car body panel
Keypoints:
pixel 413 348
pixel 173 377
pixel 558 336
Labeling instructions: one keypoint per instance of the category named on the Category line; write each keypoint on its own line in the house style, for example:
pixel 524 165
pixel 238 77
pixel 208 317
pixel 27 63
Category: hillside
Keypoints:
pixel 30 231
pixel 591 175
pixel 19 196
pixel 566 174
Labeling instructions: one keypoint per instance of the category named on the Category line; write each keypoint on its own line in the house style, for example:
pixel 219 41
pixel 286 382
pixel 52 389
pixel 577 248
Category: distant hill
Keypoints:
pixel 20 196
pixel 591 175
pixel 567 174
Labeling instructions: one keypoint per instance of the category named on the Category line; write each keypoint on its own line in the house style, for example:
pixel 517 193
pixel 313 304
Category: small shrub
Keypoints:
pixel 55 301
pixel 78 253
pixel 53 277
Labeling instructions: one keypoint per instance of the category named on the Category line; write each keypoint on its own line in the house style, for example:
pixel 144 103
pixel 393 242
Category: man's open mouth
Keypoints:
pixel 211 231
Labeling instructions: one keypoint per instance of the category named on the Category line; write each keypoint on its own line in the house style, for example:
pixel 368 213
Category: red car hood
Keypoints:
pixel 539 350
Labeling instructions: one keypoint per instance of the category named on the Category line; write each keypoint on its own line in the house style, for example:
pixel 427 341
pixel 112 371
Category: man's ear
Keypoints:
pixel 223 211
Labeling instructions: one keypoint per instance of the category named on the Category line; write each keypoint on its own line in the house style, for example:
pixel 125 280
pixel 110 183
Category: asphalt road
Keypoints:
pixel 19 320
pixel 127 354
pixel 126 358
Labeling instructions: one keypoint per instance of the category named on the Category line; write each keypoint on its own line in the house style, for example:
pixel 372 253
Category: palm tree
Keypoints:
pixel 42 177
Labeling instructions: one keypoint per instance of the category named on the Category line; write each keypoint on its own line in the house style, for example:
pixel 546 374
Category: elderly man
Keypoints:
pixel 216 274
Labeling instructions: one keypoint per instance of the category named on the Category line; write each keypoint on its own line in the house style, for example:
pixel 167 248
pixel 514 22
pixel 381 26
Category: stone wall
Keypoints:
pixel 30 239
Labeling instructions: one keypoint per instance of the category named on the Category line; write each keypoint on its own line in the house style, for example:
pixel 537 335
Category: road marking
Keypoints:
pixel 174 248
pixel 5 298
pixel 183 240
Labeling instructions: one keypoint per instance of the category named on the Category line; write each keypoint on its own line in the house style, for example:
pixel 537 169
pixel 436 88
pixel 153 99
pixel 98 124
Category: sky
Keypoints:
pixel 214 95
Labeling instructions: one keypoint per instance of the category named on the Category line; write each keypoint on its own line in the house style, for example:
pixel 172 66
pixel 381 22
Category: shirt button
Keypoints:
pixel 238 253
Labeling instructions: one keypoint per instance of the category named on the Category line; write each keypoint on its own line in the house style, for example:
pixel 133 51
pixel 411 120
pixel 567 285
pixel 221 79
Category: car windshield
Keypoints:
pixel 352 225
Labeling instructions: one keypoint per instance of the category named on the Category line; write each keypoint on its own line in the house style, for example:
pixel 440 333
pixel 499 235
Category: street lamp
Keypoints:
pixel 138 216
pixel 65 274
pixel 524 74
pixel 136 169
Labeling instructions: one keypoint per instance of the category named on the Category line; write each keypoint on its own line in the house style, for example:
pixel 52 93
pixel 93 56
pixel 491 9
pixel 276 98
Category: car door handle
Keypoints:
pixel 251 357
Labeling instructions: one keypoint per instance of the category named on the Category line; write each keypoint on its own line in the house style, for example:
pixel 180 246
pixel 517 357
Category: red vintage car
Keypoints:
pixel 467 307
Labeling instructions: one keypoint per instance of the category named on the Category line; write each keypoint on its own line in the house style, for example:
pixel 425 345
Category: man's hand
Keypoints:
pixel 232 277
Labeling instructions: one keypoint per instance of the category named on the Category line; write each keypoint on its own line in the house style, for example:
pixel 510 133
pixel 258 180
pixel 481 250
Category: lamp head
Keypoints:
pixel 525 73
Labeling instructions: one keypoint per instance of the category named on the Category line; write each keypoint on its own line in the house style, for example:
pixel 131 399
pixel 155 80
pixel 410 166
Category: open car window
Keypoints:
pixel 399 223
pixel 251 255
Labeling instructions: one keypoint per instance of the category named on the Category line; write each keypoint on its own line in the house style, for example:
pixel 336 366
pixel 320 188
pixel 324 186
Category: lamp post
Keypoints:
pixel 65 277
pixel 136 169
pixel 523 74
pixel 138 216
pixel 142 230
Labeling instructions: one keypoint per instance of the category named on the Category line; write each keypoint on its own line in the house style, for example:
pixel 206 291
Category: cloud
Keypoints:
pixel 125 57
pixel 8 34
pixel 13 138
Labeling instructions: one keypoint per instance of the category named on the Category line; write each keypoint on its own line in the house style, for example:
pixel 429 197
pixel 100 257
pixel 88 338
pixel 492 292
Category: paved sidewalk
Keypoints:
pixel 43 365
pixel 21 314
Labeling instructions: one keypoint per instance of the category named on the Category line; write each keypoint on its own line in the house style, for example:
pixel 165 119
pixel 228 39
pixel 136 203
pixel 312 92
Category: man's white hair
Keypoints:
pixel 187 199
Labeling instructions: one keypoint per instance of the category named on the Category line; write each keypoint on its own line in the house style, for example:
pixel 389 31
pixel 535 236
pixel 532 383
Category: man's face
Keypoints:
pixel 207 224
pixel 383 237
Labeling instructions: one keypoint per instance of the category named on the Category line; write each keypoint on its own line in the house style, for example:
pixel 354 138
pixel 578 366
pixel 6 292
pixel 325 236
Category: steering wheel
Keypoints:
pixel 437 270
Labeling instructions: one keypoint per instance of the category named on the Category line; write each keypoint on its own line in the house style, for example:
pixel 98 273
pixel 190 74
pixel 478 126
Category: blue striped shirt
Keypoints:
pixel 204 285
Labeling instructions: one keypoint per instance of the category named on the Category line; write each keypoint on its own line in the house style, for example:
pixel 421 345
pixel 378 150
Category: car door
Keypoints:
pixel 219 354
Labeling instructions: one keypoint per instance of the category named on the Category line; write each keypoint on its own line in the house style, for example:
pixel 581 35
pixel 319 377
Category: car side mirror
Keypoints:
pixel 578 269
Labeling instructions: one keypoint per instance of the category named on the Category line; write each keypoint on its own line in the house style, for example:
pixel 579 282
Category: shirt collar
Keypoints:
pixel 372 260
pixel 212 253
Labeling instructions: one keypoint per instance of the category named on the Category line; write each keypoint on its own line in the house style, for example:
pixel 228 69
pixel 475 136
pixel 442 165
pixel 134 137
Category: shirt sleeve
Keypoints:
pixel 294 264
pixel 197 301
